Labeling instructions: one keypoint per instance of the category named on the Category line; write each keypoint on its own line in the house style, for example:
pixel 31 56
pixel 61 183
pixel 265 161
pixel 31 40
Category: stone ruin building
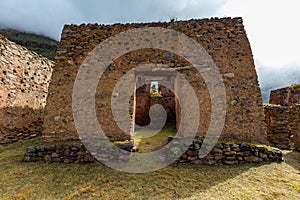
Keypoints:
pixel 24 80
pixel 283 117
pixel 224 39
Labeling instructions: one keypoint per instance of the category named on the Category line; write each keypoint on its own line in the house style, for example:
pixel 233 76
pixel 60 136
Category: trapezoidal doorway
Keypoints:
pixel 155 108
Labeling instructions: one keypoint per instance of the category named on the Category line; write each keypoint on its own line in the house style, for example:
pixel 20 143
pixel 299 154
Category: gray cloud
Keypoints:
pixel 38 16
pixel 274 78
pixel 278 77
pixel 49 16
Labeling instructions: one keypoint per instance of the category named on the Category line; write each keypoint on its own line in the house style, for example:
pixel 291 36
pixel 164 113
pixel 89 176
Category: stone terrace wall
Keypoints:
pixel 224 39
pixel 24 81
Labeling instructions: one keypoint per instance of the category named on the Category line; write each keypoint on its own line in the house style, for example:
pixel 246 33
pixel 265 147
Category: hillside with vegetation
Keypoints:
pixel 40 44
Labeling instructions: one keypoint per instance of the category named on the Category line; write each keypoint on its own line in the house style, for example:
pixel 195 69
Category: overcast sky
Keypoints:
pixel 272 25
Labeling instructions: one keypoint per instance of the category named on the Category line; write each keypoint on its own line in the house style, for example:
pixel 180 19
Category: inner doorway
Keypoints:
pixel 154 89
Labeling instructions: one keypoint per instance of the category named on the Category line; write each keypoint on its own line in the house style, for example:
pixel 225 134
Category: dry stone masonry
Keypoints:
pixel 283 117
pixel 75 153
pixel 294 122
pixel 222 154
pixel 224 39
pixel 279 131
pixel 24 81
pixel 287 96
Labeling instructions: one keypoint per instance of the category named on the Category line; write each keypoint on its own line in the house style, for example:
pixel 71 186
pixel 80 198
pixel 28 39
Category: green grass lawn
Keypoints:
pixel 93 181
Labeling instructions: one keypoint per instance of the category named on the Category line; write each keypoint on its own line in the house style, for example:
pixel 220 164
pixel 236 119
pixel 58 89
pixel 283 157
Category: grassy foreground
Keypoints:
pixel 93 181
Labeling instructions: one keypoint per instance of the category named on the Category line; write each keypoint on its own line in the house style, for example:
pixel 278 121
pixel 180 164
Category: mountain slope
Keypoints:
pixel 40 44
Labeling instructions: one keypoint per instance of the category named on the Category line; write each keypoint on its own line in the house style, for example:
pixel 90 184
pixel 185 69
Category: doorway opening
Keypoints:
pixel 154 103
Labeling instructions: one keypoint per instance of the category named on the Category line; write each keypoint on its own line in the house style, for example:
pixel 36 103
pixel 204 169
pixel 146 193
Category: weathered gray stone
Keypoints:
pixel 30 150
pixel 54 155
pixel 231 162
pixel 245 146
pixel 217 150
pixel 230 153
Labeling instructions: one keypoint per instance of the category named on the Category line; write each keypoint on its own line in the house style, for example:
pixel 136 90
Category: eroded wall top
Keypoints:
pixel 286 96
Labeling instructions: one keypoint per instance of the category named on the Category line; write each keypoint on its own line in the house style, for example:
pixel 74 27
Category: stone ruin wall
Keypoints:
pixel 287 96
pixel 24 81
pixel 283 117
pixel 224 39
pixel 294 122
pixel 278 131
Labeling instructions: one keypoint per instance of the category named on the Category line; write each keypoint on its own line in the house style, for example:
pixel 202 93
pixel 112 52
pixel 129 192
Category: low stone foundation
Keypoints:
pixel 230 154
pixel 75 153
pixel 56 153
pixel 222 153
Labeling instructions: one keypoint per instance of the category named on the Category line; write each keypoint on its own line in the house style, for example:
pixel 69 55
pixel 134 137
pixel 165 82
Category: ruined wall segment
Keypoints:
pixel 280 96
pixel 294 122
pixel 287 96
pixel 279 131
pixel 224 39
pixel 283 117
pixel 294 95
pixel 24 81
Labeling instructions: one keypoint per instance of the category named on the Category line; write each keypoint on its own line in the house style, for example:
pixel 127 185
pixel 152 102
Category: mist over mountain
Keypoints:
pixel 274 78
pixel 273 36
pixel 48 16
pixel 40 44
pixel 269 78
